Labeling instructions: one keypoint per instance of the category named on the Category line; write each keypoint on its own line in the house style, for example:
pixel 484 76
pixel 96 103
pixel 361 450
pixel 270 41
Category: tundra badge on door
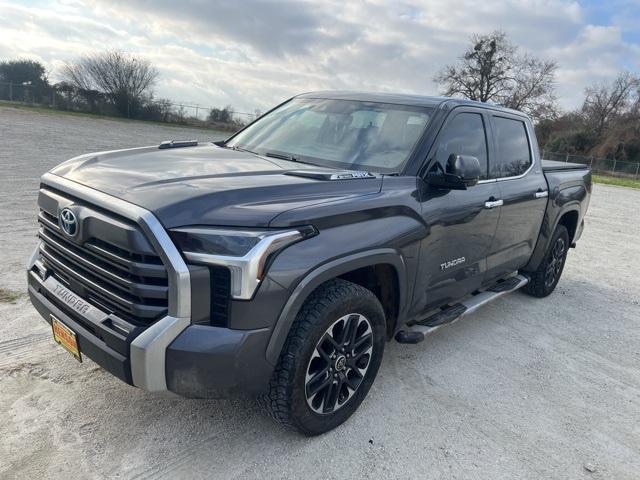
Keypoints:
pixel 452 263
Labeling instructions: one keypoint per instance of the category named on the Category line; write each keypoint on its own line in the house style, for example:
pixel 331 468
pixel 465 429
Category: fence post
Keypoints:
pixel 11 91
pixel 591 162
pixel 637 168
pixel 566 158
pixel 614 166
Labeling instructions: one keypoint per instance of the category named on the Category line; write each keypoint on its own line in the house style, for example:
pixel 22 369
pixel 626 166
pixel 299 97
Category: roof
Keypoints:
pixel 404 99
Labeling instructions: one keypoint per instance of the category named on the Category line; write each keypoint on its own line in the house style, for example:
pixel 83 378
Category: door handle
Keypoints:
pixel 493 203
pixel 541 194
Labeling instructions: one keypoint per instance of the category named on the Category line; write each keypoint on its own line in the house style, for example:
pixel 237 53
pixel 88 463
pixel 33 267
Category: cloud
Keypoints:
pixel 255 53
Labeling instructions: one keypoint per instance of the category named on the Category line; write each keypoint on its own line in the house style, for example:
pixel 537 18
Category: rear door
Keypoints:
pixel 523 191
pixel 461 223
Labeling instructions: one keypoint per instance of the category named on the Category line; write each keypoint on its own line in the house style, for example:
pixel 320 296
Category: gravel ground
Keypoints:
pixel 524 388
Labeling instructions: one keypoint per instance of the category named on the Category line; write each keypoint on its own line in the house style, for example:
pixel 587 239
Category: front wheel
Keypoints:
pixel 330 359
pixel 545 278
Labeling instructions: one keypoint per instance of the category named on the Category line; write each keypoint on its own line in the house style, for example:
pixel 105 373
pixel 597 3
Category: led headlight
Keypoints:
pixel 243 252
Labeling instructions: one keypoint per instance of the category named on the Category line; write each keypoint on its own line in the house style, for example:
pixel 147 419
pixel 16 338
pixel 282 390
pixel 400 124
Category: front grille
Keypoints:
pixel 130 284
pixel 220 279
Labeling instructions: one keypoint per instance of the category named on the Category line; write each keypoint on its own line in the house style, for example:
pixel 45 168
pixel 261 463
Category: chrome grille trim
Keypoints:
pixel 148 348
pixel 115 277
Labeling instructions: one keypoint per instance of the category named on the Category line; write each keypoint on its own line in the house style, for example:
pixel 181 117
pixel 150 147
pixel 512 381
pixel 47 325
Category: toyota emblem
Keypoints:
pixel 68 222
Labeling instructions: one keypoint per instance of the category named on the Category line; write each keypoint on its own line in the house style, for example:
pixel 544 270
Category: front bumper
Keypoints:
pixel 200 362
pixel 91 345
pixel 173 353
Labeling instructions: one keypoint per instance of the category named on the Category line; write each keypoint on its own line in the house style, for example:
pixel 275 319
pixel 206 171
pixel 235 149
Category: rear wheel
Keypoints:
pixel 545 278
pixel 329 360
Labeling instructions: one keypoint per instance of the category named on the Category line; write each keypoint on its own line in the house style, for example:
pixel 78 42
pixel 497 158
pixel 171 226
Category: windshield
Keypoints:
pixel 376 137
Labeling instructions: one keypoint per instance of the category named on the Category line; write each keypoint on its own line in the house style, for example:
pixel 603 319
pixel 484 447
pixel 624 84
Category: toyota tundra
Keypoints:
pixel 279 262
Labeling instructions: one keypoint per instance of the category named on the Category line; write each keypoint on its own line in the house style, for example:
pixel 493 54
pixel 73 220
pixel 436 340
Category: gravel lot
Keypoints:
pixel 525 388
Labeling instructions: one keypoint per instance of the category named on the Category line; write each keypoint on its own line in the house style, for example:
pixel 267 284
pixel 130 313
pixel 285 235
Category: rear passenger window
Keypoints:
pixel 513 155
pixel 464 135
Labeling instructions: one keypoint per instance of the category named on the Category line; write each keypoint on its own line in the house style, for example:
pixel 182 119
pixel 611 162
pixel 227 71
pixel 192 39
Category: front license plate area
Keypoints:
pixel 66 337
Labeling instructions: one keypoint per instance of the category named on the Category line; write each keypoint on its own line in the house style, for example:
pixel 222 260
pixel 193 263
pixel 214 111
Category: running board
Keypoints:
pixel 419 329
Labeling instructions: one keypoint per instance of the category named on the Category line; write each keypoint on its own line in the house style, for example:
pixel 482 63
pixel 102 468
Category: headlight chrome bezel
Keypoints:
pixel 248 268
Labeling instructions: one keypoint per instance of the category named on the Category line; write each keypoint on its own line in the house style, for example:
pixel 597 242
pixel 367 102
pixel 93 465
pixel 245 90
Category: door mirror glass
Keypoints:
pixel 462 171
pixel 466 167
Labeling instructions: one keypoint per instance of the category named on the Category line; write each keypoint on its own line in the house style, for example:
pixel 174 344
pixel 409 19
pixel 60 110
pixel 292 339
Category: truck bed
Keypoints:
pixel 553 166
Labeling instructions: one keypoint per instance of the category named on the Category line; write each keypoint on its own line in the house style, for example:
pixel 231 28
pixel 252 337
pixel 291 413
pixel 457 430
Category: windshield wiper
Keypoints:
pixel 281 156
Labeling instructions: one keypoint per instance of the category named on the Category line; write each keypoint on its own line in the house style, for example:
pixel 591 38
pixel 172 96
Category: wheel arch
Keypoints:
pixel 355 268
pixel 569 219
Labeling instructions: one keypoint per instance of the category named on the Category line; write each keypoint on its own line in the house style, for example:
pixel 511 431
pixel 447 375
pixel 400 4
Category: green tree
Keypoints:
pixel 26 72
pixel 221 115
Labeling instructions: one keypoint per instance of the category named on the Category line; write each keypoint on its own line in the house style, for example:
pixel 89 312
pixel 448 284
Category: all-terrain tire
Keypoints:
pixel 334 313
pixel 546 277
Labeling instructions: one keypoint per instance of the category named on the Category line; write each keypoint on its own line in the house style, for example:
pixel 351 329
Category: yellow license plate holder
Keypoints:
pixel 66 337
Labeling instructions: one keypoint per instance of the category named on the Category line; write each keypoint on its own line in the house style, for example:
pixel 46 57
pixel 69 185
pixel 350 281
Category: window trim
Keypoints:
pixel 488 138
pixel 527 129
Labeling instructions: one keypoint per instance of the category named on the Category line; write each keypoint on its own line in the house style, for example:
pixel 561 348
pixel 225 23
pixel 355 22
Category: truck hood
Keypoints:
pixel 211 185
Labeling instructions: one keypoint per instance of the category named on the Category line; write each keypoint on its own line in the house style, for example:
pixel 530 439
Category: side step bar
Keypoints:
pixel 419 329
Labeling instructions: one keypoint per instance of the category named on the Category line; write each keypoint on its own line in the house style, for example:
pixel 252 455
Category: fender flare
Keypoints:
pixel 326 272
pixel 544 238
pixel 569 207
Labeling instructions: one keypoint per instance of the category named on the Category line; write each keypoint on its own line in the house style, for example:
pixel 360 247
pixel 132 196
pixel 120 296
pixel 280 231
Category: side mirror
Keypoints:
pixel 462 171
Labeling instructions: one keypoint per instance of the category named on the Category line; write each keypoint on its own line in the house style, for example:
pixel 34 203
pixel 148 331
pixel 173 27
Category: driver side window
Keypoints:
pixel 464 135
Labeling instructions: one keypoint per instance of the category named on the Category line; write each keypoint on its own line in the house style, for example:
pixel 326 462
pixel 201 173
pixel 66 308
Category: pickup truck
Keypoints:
pixel 278 263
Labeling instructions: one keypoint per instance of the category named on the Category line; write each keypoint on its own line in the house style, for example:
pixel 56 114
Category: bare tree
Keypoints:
pixel 606 102
pixel 493 70
pixel 123 78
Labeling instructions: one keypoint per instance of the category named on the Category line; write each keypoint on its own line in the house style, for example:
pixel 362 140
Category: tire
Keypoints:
pixel 317 356
pixel 546 277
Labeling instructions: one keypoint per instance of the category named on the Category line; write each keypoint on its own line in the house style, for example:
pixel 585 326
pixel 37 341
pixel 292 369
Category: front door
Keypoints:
pixel 461 223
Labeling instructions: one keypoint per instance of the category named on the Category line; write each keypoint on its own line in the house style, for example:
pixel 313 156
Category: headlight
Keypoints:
pixel 244 252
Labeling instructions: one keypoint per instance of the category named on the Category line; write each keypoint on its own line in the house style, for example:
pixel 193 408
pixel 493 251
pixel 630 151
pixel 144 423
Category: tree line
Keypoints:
pixel 491 69
pixel 110 82
pixel 606 125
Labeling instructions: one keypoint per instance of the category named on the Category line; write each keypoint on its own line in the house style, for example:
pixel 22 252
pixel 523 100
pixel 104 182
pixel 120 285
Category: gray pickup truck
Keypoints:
pixel 279 262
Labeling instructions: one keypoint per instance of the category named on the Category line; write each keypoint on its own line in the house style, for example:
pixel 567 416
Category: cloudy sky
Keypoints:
pixel 255 53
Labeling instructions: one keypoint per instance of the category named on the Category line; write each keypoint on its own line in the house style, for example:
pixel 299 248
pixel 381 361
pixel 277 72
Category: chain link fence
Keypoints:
pixel 162 110
pixel 602 166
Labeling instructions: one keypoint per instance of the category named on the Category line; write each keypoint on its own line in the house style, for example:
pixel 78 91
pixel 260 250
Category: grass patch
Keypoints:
pixel 620 182
pixel 8 296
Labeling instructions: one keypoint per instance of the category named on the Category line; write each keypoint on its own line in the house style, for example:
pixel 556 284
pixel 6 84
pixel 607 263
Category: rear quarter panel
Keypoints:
pixel 569 191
